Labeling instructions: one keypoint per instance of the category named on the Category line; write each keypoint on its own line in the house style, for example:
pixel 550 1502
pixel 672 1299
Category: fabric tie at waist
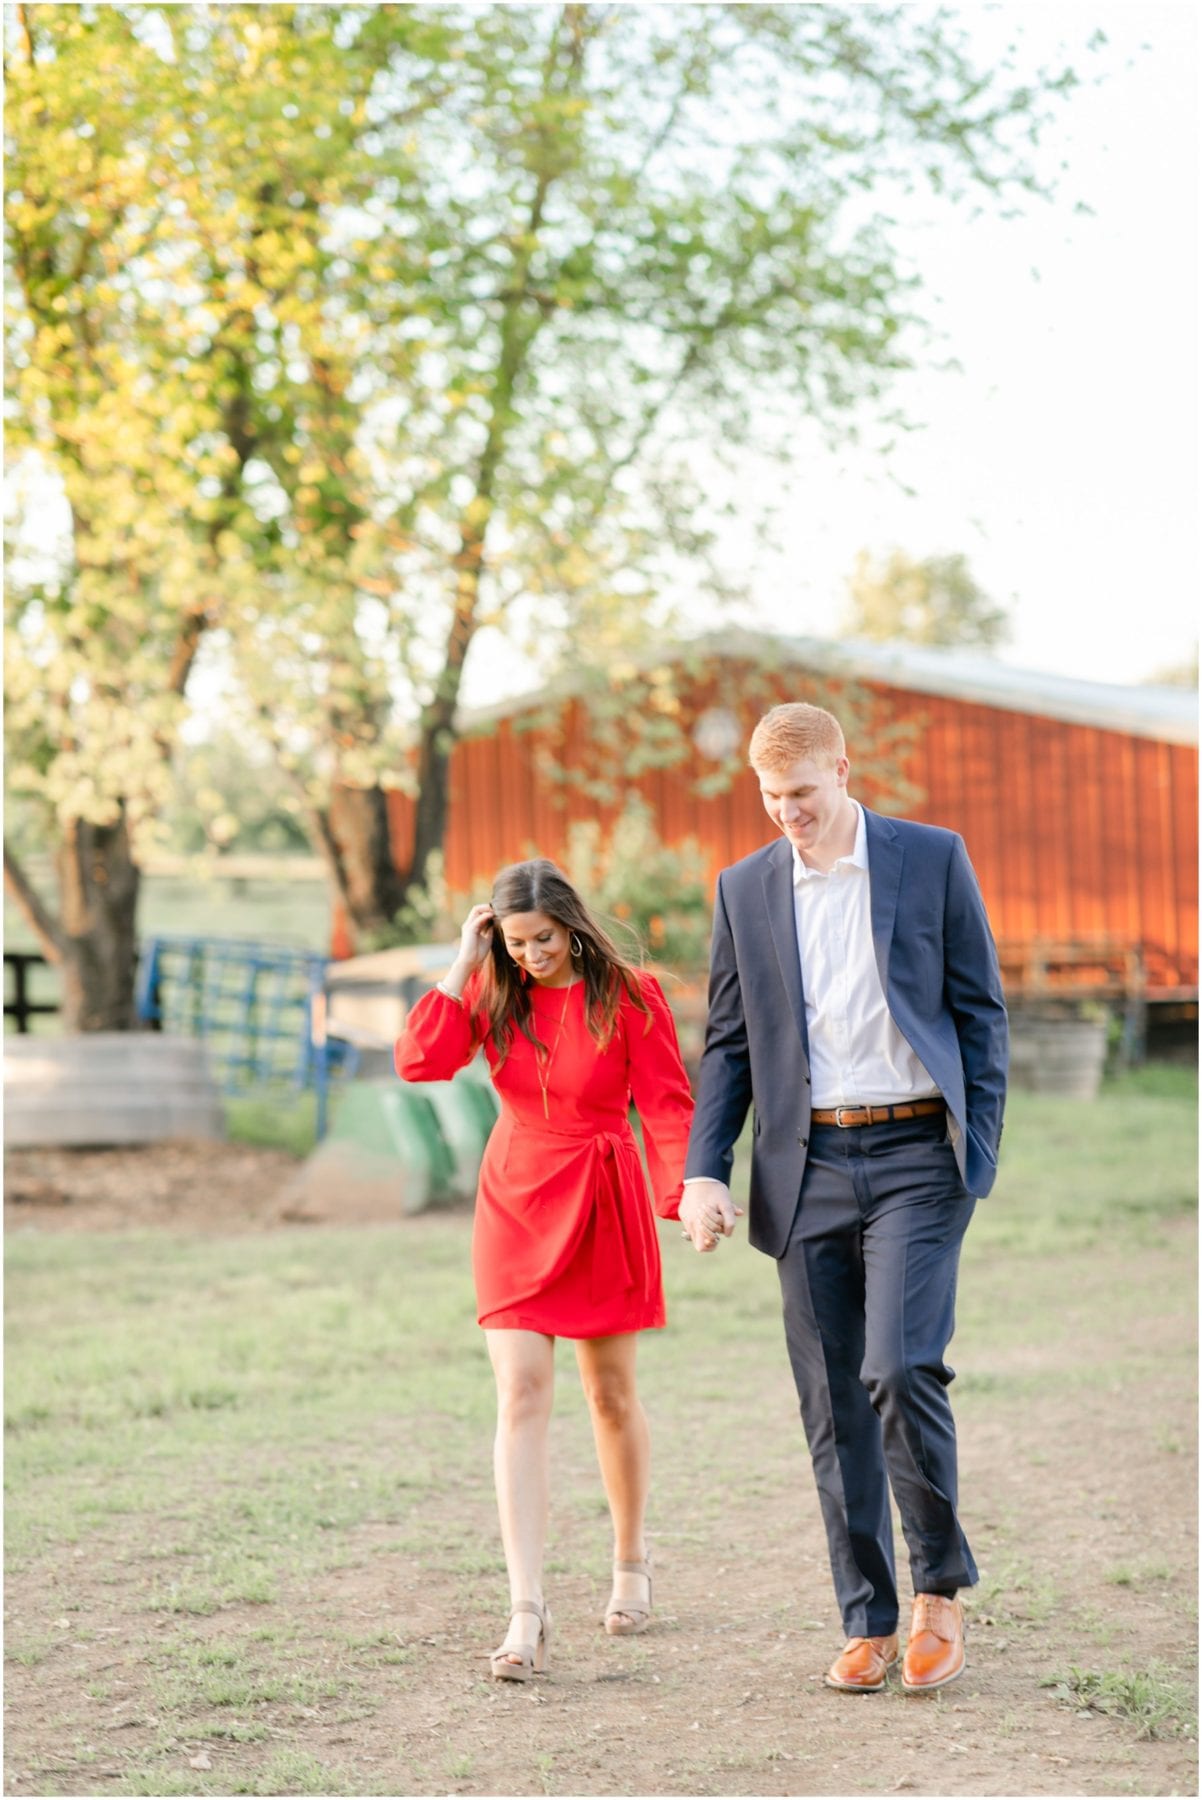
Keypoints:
pixel 609 1148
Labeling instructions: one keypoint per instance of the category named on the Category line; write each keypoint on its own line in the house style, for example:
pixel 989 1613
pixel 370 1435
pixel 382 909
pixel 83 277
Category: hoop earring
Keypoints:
pixel 576 946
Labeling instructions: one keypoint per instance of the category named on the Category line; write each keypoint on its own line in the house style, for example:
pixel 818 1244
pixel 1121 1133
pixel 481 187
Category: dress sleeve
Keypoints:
pixel 659 1088
pixel 441 1036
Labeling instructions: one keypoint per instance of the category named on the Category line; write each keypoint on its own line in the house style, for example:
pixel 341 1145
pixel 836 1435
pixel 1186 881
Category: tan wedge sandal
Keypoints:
pixel 618 1612
pixel 534 1656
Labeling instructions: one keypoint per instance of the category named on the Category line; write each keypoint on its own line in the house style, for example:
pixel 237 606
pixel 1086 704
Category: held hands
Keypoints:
pixel 708 1213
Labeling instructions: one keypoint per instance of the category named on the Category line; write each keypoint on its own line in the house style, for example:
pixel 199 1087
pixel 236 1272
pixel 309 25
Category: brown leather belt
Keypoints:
pixel 877 1115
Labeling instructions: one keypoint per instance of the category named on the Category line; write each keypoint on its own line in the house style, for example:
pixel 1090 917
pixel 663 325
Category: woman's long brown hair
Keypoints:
pixel 538 886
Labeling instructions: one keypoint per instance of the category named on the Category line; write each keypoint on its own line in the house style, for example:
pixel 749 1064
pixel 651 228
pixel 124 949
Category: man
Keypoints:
pixel 855 1004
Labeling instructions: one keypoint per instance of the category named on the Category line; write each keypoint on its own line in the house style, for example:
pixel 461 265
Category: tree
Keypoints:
pixel 230 795
pixel 152 213
pixel 102 626
pixel 422 311
pixel 935 601
pixel 635 230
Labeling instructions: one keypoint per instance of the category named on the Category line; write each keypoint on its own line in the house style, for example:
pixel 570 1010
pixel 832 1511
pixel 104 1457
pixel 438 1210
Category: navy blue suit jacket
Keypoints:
pixel 939 970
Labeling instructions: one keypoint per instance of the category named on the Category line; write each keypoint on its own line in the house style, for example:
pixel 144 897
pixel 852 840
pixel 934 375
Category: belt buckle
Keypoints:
pixel 840 1120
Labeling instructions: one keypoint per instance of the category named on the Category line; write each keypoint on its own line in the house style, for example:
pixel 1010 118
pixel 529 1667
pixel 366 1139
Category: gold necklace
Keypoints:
pixel 539 1065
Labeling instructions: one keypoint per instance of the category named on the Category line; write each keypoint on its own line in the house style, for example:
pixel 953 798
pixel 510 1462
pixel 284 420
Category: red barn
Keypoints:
pixel 1077 800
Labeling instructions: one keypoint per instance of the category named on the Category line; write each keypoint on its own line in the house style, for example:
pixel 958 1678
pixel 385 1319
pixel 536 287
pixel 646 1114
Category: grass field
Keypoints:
pixel 251 1543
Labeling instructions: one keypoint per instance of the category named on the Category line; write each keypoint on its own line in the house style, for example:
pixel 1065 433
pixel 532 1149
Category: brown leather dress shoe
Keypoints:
pixel 863 1664
pixel 935 1650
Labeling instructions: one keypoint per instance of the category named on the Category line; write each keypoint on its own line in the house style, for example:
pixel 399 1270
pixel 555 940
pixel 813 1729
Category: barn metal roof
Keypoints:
pixel 1167 714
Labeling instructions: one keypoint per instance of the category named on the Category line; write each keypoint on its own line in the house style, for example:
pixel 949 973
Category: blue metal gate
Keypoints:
pixel 253 1004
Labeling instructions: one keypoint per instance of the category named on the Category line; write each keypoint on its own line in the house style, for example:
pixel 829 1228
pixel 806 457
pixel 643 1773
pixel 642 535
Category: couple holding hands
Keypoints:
pixel 855 1004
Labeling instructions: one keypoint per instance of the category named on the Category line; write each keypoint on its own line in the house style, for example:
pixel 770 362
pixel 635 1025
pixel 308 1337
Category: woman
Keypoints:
pixel 564 1243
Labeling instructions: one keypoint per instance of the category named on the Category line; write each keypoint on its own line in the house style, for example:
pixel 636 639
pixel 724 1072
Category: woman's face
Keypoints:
pixel 540 946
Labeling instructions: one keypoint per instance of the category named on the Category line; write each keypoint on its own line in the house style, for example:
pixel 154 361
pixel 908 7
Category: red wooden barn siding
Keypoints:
pixel 1076 832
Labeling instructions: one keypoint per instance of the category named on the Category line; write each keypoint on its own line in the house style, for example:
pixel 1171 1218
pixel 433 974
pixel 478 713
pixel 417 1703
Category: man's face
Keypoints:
pixel 807 803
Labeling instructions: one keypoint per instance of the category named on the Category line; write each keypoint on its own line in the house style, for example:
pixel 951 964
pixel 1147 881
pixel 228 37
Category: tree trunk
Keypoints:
pixel 29 902
pixel 372 887
pixel 98 883
pixel 433 798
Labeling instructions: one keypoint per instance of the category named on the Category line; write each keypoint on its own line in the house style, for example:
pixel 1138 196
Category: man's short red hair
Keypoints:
pixel 793 732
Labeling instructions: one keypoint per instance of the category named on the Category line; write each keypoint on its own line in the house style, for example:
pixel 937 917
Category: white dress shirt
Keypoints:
pixel 858 1057
pixel 857 1054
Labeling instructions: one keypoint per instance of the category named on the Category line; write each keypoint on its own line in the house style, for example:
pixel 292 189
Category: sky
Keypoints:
pixel 1062 458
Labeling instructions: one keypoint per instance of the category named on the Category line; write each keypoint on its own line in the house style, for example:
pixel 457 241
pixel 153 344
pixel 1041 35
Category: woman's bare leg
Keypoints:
pixel 524 1365
pixel 623 1440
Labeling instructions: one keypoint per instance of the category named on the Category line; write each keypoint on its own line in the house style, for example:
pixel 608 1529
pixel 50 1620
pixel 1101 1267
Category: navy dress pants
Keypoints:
pixel 868 1282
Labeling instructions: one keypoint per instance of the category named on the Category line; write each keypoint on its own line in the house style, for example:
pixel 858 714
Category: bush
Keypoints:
pixel 655 896
pixel 657 892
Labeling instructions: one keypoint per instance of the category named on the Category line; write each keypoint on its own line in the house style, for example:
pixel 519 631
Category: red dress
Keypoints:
pixel 564 1240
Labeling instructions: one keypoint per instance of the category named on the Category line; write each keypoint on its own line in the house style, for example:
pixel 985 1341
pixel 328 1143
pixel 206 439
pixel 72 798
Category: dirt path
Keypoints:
pixel 1086 1548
